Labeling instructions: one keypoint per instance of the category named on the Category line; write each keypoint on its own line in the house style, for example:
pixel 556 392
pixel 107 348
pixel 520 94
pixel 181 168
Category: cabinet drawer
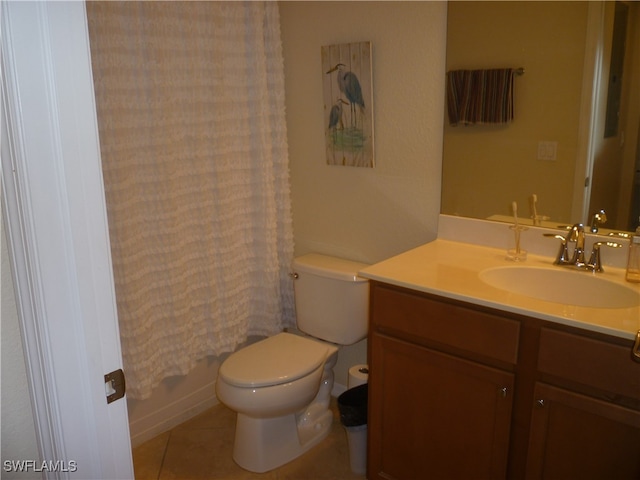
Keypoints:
pixel 589 361
pixel 420 317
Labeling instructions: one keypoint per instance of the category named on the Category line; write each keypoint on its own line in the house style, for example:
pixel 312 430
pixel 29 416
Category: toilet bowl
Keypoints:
pixel 274 377
pixel 281 386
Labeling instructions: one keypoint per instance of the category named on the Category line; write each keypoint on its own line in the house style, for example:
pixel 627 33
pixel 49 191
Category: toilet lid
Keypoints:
pixel 279 359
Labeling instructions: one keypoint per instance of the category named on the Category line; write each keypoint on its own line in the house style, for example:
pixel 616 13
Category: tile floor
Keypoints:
pixel 201 448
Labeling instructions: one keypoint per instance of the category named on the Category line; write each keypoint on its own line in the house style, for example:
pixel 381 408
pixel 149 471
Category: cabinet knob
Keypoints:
pixel 503 392
pixel 540 402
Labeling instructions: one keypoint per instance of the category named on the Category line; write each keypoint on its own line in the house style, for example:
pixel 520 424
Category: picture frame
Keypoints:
pixel 348 104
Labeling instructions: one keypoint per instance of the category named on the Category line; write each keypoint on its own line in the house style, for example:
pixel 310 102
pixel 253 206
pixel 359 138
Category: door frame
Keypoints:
pixel 55 217
pixel 589 112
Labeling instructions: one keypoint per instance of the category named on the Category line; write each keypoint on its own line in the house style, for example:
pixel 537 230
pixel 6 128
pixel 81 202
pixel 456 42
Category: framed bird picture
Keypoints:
pixel 348 104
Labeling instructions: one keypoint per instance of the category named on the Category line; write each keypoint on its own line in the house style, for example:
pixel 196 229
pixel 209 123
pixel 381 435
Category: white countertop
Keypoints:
pixel 451 269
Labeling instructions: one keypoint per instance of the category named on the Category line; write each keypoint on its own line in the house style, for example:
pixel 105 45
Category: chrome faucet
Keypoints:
pixel 577 235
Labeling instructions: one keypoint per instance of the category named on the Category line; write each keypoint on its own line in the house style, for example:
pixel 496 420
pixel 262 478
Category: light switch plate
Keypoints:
pixel 547 150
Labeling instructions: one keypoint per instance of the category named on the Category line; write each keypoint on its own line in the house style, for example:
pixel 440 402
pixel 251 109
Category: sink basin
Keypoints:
pixel 568 287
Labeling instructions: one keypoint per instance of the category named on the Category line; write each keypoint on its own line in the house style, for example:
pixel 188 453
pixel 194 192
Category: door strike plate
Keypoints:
pixel 114 385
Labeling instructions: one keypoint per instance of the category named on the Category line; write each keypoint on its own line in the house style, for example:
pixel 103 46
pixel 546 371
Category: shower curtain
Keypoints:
pixel 190 102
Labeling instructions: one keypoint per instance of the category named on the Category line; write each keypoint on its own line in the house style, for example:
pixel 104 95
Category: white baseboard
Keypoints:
pixel 175 413
pixel 172 414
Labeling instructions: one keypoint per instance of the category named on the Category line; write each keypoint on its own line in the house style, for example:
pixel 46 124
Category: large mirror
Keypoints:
pixel 580 66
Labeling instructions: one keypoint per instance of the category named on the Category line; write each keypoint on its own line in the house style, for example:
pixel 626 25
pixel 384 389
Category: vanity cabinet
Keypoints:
pixel 585 420
pixel 440 388
pixel 462 391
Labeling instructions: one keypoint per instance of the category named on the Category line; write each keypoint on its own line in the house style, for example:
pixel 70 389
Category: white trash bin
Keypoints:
pixel 357 440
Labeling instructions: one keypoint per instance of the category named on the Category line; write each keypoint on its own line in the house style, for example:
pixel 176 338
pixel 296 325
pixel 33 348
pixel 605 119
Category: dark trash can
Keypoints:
pixel 353 406
pixel 353 415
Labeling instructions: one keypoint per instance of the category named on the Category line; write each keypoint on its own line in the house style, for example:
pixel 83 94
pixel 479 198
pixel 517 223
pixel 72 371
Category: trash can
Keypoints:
pixel 353 415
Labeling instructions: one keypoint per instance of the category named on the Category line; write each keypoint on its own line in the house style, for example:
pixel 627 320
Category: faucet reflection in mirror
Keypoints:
pixel 597 219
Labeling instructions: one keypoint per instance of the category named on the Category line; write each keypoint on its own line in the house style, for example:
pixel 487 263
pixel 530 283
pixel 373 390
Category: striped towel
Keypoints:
pixel 480 97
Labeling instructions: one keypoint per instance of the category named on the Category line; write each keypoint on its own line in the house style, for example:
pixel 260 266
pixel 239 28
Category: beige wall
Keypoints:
pixel 359 213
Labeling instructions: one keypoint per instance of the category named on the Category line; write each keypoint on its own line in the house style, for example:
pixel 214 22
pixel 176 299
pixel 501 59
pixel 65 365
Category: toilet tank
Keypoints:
pixel 332 301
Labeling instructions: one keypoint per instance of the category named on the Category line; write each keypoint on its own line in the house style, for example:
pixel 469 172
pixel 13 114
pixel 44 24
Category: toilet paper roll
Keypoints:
pixel 358 374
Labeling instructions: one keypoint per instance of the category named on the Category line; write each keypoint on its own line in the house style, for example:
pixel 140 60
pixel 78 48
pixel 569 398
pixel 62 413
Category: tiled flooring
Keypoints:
pixel 201 448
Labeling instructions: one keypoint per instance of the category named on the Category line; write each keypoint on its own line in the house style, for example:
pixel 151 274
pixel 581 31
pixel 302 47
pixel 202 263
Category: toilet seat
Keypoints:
pixel 276 360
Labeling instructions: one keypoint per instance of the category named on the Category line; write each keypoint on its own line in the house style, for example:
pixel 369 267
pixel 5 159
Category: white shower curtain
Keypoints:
pixel 190 101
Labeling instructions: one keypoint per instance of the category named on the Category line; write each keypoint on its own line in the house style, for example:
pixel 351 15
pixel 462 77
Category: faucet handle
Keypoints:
pixel 595 262
pixel 563 254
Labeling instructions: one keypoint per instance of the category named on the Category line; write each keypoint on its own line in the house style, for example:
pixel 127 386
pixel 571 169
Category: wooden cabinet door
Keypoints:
pixel 578 437
pixel 435 416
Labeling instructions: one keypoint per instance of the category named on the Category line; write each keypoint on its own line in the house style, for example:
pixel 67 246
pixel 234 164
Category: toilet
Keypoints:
pixel 280 387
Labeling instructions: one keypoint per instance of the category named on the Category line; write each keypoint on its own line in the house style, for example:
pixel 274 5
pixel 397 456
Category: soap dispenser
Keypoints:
pixel 633 264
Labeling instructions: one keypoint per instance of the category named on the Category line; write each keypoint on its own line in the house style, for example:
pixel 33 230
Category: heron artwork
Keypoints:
pixel 347 82
pixel 335 116
pixel 349 85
